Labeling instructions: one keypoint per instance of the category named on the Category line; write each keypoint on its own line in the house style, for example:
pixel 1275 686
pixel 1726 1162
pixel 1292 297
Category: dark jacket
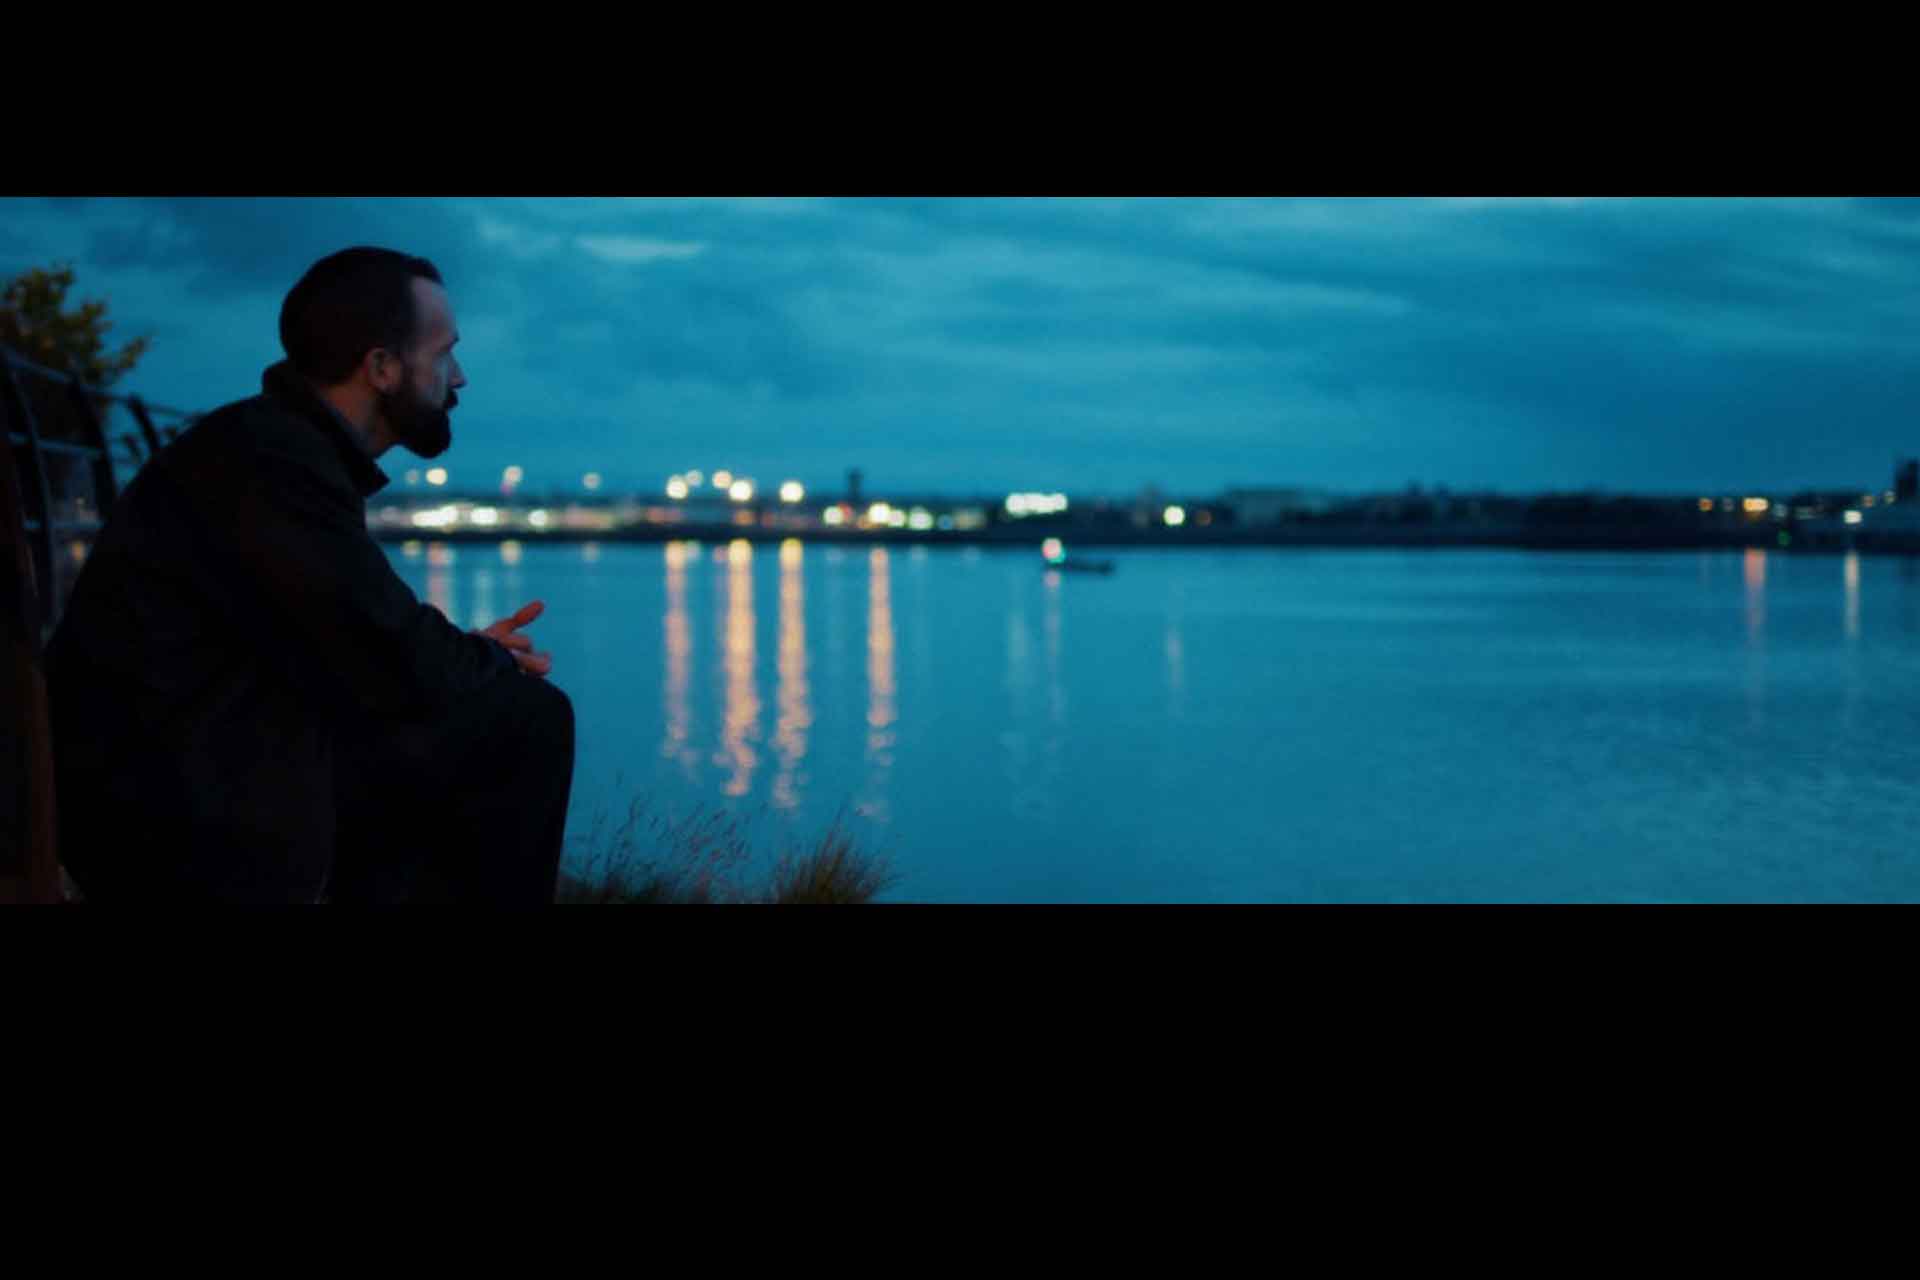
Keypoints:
pixel 233 616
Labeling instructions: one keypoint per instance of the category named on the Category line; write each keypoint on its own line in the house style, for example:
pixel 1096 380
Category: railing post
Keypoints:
pixel 42 547
pixel 104 488
pixel 140 415
pixel 29 858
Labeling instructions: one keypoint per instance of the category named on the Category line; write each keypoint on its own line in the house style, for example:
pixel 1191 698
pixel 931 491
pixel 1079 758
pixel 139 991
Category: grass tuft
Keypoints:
pixel 835 872
pixel 705 859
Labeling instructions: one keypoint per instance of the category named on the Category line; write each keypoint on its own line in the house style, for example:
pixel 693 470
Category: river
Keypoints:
pixel 1251 725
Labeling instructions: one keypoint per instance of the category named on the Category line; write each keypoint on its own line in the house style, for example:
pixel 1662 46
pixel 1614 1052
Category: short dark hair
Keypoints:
pixel 347 304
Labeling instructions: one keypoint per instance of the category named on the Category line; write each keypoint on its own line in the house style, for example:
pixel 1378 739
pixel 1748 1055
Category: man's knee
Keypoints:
pixel 549 713
pixel 530 719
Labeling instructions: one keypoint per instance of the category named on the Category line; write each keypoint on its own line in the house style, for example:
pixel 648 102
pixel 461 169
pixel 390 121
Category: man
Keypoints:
pixel 248 704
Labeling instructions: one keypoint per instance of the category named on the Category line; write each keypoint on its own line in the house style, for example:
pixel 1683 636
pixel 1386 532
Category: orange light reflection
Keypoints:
pixel 742 717
pixel 1756 576
pixel 795 710
pixel 1851 572
pixel 439 580
pixel 882 710
pixel 483 614
pixel 679 659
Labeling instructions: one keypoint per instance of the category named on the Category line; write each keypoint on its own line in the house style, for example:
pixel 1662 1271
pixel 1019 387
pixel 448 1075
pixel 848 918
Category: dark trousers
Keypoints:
pixel 471 808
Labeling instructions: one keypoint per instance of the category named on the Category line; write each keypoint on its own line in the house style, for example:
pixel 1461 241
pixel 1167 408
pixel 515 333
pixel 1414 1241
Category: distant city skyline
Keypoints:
pixel 1096 346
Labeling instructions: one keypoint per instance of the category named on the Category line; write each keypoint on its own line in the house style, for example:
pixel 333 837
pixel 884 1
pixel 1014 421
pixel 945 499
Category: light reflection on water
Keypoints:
pixel 1850 568
pixel 484 613
pixel 1174 647
pixel 794 708
pixel 1254 726
pixel 1755 569
pixel 741 728
pixel 677 648
pixel 440 560
pixel 1754 573
pixel 881 691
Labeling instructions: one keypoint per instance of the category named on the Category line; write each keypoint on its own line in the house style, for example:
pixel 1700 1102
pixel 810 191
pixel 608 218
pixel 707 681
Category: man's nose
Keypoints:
pixel 459 378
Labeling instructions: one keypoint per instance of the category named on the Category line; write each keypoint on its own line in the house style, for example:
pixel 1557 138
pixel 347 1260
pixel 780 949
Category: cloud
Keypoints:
pixel 1343 340
pixel 630 250
pixel 517 240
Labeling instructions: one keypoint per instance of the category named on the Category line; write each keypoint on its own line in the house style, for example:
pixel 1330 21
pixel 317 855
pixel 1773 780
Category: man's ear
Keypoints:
pixel 383 369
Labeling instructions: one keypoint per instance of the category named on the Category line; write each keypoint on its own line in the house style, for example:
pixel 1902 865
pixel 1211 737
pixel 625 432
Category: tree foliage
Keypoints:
pixel 35 323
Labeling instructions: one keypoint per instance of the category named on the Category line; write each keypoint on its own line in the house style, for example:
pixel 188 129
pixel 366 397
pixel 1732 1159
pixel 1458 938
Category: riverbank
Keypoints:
pixel 1024 537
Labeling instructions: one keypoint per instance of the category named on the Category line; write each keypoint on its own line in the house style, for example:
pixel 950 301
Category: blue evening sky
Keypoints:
pixel 966 345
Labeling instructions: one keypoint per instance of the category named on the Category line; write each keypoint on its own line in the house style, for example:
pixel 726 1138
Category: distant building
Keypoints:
pixel 1148 506
pixel 1272 506
pixel 853 486
pixel 1906 481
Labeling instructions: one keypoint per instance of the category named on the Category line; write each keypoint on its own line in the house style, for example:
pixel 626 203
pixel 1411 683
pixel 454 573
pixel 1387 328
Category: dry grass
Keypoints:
pixel 705 859
pixel 834 872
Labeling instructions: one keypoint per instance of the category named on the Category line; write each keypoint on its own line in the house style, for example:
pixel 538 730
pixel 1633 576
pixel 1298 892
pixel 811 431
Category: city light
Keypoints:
pixel 695 479
pixel 722 479
pixel 510 552
pixel 1036 504
pixel 1053 550
pixel 413 475
pixel 509 516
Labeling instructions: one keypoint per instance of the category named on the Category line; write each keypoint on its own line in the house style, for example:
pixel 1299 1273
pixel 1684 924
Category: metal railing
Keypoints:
pixel 47 443
pixel 46 515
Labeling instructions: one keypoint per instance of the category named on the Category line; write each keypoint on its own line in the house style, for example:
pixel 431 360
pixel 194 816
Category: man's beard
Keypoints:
pixel 424 430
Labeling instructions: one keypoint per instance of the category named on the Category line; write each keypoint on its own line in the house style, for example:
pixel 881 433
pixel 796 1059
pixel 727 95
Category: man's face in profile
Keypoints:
pixel 417 410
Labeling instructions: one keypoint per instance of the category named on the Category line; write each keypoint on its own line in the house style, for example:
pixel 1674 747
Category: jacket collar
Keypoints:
pixel 282 384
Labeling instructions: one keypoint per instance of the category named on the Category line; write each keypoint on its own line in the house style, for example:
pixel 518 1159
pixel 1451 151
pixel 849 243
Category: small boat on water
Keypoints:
pixel 1053 554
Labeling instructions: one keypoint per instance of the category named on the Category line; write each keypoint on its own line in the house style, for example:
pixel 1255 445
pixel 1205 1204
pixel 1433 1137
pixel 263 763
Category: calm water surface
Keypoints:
pixel 1251 725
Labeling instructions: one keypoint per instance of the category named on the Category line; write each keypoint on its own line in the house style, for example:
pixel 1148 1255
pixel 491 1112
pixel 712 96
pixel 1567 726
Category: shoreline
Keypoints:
pixel 1871 542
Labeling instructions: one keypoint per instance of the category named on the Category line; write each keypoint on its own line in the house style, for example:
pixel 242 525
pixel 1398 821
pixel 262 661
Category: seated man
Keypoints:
pixel 248 704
